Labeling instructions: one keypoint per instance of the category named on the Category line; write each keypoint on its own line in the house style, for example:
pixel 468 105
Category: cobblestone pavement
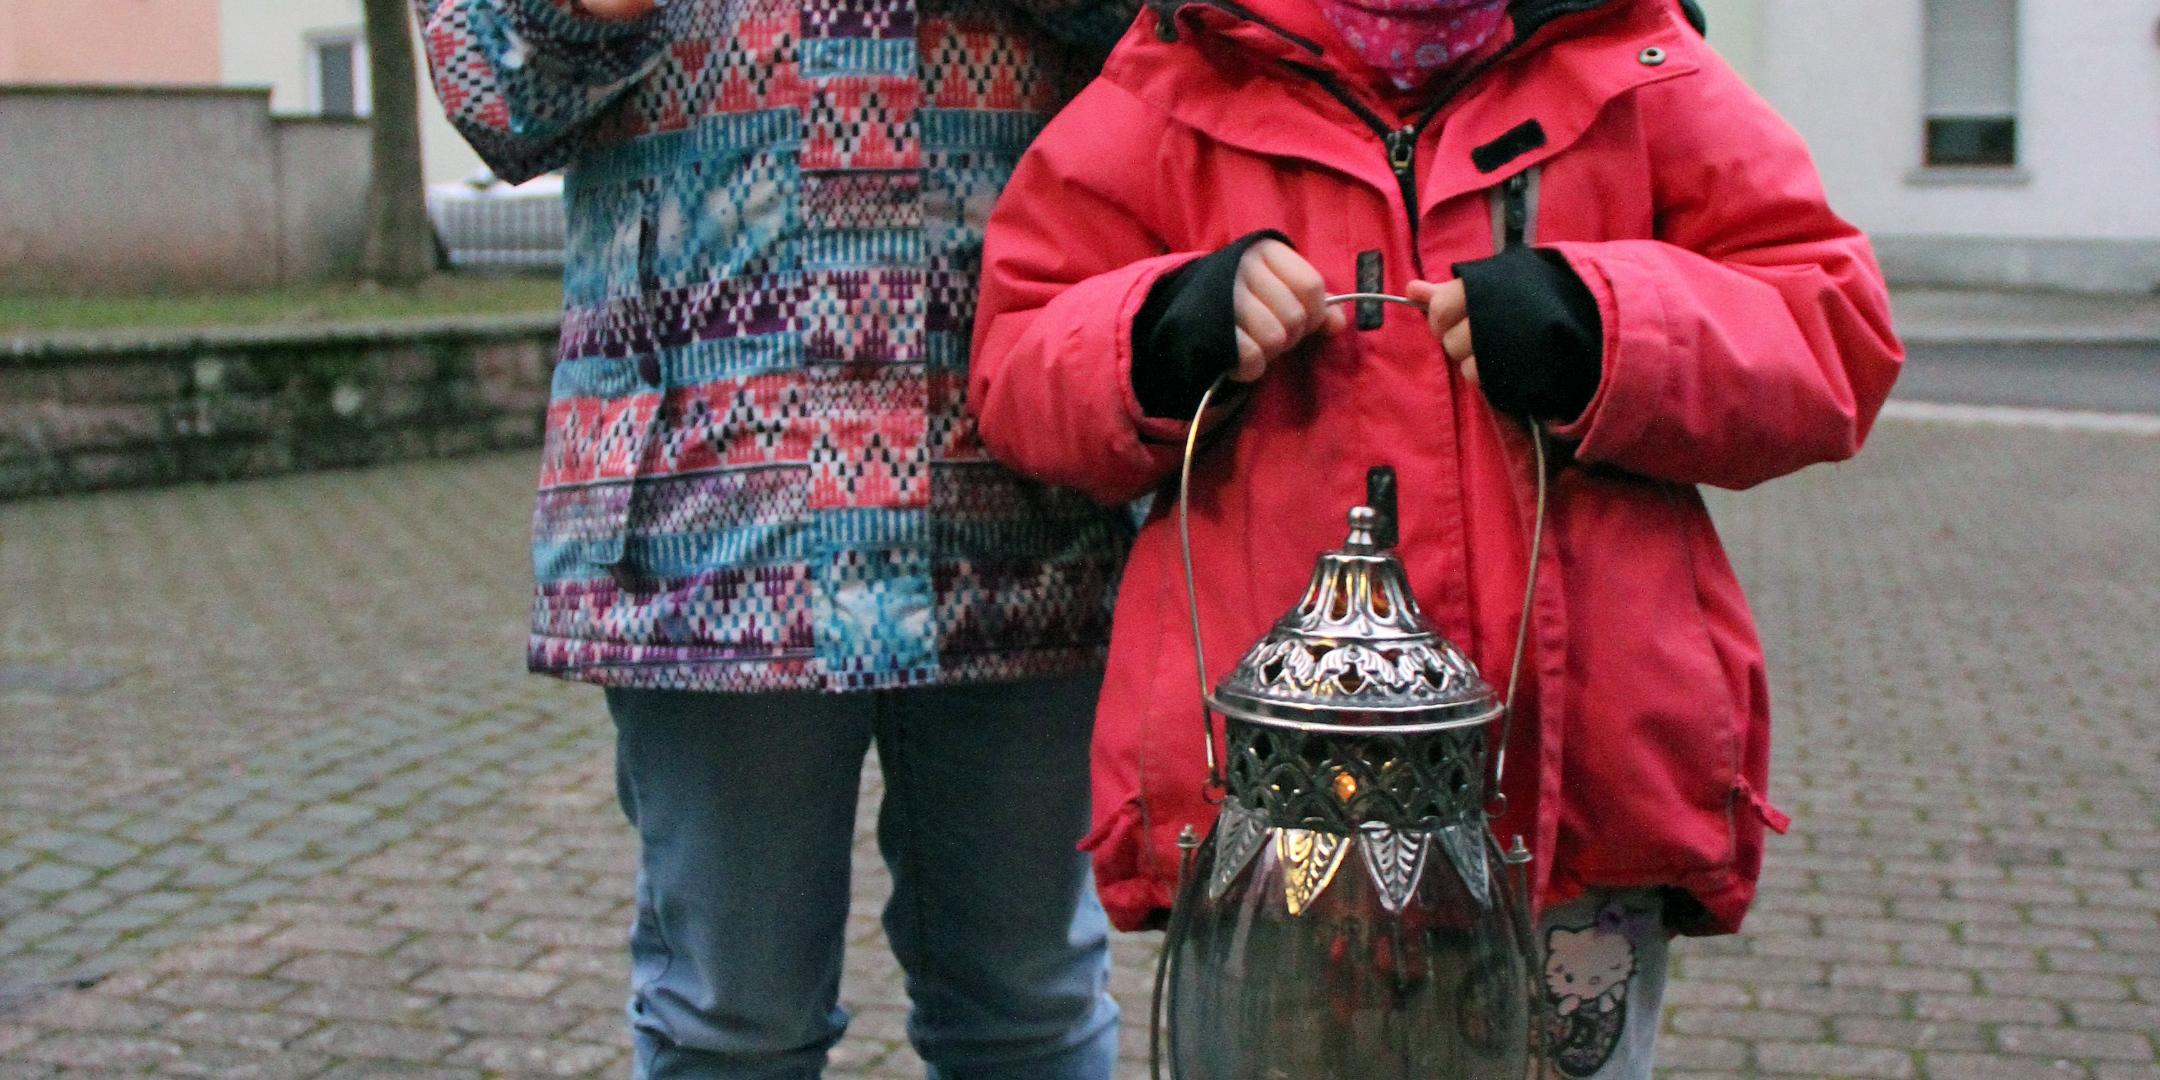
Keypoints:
pixel 276 800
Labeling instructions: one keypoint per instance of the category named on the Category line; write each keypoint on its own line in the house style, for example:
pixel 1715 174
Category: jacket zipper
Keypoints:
pixel 1400 143
pixel 1402 158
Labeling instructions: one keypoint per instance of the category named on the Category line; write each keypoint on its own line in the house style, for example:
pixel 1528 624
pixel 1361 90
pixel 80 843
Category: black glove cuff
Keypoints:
pixel 1185 335
pixel 1539 338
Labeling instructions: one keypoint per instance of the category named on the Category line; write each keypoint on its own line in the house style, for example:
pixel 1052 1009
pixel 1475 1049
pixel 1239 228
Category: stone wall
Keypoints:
pixel 173 189
pixel 82 413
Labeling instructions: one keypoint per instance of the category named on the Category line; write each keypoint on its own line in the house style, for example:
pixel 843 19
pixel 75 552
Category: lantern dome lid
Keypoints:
pixel 1356 653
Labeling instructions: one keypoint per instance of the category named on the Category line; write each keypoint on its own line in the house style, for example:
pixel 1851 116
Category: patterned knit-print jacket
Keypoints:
pixel 759 470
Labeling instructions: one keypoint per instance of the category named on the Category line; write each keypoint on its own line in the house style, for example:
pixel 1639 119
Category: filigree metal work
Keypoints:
pixel 1309 861
pixel 1356 650
pixel 1239 835
pixel 1339 783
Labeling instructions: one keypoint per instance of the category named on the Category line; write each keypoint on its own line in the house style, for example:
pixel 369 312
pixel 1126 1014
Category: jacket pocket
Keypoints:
pixel 1653 742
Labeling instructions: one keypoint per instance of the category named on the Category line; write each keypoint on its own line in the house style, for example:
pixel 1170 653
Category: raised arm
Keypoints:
pixel 524 80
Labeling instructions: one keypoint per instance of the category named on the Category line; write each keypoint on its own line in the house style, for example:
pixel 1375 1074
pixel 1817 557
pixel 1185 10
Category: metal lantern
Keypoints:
pixel 1349 915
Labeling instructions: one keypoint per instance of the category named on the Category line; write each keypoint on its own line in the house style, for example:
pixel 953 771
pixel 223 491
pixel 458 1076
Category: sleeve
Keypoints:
pixel 1069 260
pixel 1752 338
pixel 524 80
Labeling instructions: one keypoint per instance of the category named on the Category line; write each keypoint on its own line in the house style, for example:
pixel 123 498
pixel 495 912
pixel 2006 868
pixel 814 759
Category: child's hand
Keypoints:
pixel 1447 309
pixel 1280 301
pixel 616 10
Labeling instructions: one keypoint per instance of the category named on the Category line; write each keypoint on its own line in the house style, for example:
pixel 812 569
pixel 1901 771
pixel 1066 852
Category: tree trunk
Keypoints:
pixel 400 245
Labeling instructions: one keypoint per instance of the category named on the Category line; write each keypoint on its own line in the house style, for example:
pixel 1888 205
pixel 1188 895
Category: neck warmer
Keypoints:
pixel 1411 41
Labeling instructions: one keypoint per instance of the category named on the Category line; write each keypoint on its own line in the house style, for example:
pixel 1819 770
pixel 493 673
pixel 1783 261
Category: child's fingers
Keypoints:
pixel 1298 276
pixel 1469 370
pixel 1457 341
pixel 1251 362
pixel 1447 307
pixel 1420 292
pixel 1258 322
pixel 1280 302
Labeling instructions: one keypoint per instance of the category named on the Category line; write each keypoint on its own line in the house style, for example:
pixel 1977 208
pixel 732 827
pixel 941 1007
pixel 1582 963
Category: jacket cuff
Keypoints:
pixel 558 33
pixel 1185 334
pixel 1539 337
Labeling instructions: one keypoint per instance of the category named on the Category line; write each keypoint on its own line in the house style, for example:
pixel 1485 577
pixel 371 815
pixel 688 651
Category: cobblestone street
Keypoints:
pixel 277 799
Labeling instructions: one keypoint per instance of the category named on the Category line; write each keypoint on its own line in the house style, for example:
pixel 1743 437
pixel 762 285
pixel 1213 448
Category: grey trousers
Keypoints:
pixel 1603 986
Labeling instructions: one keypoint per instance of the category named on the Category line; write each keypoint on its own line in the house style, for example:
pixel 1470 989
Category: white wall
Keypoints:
pixel 265 43
pixel 1736 32
pixel 2081 210
pixel 1847 73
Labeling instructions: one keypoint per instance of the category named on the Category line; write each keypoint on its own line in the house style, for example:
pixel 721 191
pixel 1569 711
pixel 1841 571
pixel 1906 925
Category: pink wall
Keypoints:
pixel 128 42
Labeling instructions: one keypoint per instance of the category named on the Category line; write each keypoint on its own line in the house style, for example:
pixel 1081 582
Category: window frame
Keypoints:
pixel 1931 130
pixel 363 95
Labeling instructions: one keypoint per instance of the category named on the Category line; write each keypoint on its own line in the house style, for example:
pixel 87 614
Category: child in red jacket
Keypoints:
pixel 1614 239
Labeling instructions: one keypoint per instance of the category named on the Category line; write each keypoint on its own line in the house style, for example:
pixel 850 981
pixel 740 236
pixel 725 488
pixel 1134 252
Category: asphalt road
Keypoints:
pixel 2098 378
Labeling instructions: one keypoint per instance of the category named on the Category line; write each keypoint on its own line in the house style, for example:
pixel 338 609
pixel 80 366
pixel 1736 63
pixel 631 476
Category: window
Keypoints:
pixel 1972 77
pixel 337 75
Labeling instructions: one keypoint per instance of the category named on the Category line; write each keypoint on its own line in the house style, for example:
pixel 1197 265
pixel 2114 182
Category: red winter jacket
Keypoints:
pixel 1746 335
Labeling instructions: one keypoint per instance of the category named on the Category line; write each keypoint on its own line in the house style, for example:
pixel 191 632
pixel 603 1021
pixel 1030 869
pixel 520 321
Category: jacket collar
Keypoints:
pixel 1273 77
pixel 1295 30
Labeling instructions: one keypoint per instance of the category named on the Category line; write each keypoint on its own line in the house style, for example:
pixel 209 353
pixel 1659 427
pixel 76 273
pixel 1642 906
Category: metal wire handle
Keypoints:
pixel 1216 780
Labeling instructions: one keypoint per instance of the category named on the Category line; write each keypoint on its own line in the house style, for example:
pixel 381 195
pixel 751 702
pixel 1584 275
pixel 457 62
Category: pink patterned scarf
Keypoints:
pixel 1411 41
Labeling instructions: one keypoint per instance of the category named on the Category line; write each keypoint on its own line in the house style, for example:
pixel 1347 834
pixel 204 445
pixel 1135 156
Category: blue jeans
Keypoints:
pixel 745 810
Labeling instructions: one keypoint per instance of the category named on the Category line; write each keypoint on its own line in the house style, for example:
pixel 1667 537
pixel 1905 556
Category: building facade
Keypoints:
pixel 2009 143
pixel 313 56
pixel 125 42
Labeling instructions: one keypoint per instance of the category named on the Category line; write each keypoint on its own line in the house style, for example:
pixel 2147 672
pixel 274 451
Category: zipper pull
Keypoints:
pixel 1402 149
pixel 1516 205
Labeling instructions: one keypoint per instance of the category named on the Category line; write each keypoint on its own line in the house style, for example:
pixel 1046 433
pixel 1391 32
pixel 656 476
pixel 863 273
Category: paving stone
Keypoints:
pixel 1911 1034
pixel 348 970
pixel 2075 1043
pixel 1828 1059
pixel 340 1002
pixel 1725 1056
pixel 92 1012
pixel 253 1030
pixel 528 1057
pixel 528 985
pixel 320 937
pixel 222 960
pixel 468 950
pixel 235 992
pixel 239 1063
pixel 103 1051
pixel 1746 1024
pixel 401 1042
pixel 51 877
pixel 1963 1066
pixel 2066 987
pixel 378 1070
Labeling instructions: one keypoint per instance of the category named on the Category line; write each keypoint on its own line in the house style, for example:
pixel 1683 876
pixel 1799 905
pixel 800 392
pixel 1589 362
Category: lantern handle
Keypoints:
pixel 1217 783
pixel 1496 801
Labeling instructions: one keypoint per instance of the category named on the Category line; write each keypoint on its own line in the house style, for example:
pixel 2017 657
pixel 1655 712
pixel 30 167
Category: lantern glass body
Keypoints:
pixel 1377 976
